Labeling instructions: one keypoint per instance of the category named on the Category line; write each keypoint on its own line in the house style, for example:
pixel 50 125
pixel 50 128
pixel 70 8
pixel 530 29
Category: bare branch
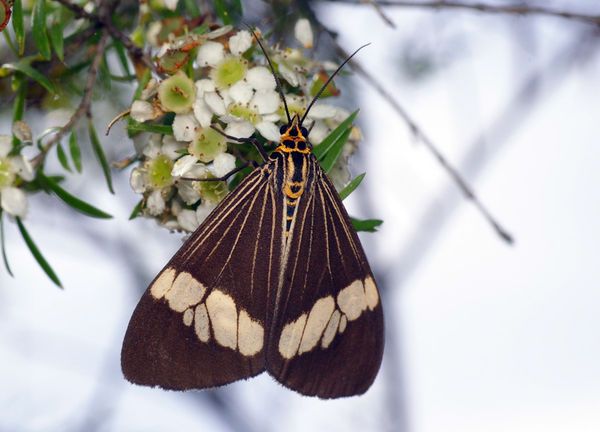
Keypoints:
pixel 433 149
pixel 516 9
pixel 84 106
pixel 380 12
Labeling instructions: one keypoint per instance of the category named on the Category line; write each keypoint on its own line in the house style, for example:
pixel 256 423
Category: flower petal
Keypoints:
pixel 187 220
pixel 210 53
pixel 183 165
pixel 203 113
pixel 14 201
pixel 289 75
pixel 22 167
pixel 261 78
pixel 265 101
pixel 303 33
pixel 214 101
pixel 240 42
pixel 155 204
pixel 318 132
pixel 240 129
pixel 5 145
pixel 322 111
pixel 269 130
pixel 142 111
pixel 223 164
pixel 170 146
pixel 202 86
pixel 138 180
pixel 204 210
pixel 185 127
pixel 241 92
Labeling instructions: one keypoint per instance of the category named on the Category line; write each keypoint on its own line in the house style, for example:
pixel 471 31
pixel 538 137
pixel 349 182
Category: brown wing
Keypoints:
pixel 327 334
pixel 201 322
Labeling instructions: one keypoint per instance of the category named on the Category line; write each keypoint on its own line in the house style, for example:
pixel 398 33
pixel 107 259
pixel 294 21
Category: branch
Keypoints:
pixel 105 20
pixel 84 106
pixel 517 9
pixel 420 134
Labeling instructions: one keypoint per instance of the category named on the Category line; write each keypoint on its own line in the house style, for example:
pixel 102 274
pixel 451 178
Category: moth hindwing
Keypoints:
pixel 274 280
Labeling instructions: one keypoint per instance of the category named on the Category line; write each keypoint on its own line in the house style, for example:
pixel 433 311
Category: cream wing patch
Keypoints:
pixel 324 321
pixel 185 294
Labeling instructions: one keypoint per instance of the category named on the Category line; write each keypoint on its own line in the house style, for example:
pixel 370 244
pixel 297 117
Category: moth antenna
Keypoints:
pixel 287 113
pixel 322 89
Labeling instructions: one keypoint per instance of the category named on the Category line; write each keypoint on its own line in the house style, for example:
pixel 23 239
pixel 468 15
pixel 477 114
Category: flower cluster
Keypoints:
pixel 228 85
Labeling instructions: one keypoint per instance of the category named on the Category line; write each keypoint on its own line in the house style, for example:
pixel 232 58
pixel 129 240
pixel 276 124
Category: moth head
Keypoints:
pixel 294 128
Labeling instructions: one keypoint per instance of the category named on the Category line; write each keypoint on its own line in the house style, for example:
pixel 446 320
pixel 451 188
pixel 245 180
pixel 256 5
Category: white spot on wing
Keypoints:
pixel 343 322
pixel 290 337
pixel 371 293
pixel 317 320
pixel 352 300
pixel 201 326
pixel 251 335
pixel 163 283
pixel 331 329
pixel 185 292
pixel 188 317
pixel 223 317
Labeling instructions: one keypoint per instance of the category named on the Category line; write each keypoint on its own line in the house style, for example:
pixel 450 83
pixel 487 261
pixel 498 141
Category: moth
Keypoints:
pixel 274 280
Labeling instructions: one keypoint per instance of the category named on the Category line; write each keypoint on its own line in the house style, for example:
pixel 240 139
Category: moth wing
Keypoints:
pixel 327 335
pixel 201 322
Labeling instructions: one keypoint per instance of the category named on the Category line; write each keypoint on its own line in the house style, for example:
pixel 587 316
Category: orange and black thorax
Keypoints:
pixel 293 167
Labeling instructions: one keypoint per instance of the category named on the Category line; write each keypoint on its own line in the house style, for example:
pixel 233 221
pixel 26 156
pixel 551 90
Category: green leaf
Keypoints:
pixel 335 151
pixel 237 5
pixel 56 36
pixel 221 11
pixel 76 203
pixel 37 254
pixel 144 127
pixel 142 84
pixel 19 25
pixel 351 186
pixel 322 149
pixel 21 66
pixel 4 257
pixel 62 157
pixel 122 55
pixel 40 34
pixel 369 225
pixel 136 210
pixel 9 41
pixel 192 8
pixel 19 104
pixel 97 147
pixel 74 150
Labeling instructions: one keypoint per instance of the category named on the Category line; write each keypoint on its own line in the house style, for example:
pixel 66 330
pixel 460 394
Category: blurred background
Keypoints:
pixel 481 334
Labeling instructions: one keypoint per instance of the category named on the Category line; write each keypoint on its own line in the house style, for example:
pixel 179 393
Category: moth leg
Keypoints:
pixel 250 140
pixel 252 163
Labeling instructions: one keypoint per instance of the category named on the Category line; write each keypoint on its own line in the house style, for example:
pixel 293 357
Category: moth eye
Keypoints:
pixel 283 129
pixel 303 131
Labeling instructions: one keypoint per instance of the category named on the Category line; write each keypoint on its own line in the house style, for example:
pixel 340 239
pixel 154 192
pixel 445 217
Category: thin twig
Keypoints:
pixel 380 12
pixel 420 134
pixel 84 106
pixel 516 9
pixel 105 20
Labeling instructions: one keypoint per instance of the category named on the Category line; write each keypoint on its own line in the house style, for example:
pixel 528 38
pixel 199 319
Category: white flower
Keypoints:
pixel 183 165
pixel 14 201
pixel 171 146
pixel 155 204
pixel 289 75
pixel 203 113
pixel 241 92
pixel 142 111
pixel 303 33
pixel 261 78
pixel 215 102
pixel 22 167
pixel 150 90
pixel 204 210
pixel 269 130
pixel 265 101
pixel 138 180
pixel 185 127
pixel 239 129
pixel 223 164
pixel 318 132
pixel 187 220
pixel 22 131
pixel 240 42
pixel 210 53
pixel 204 85
pixel 218 32
pixel 322 111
